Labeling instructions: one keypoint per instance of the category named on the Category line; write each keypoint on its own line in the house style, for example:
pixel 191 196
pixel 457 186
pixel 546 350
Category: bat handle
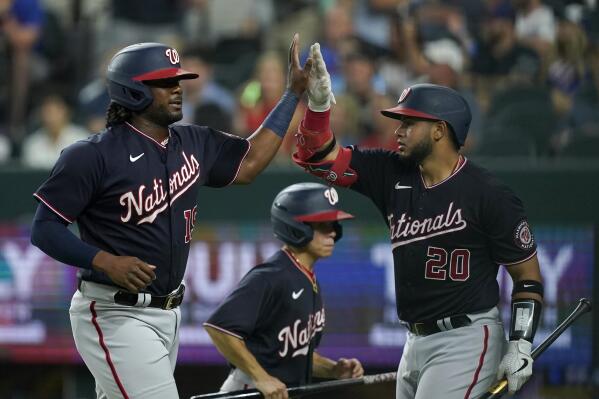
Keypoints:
pixel 584 305
pixel 496 391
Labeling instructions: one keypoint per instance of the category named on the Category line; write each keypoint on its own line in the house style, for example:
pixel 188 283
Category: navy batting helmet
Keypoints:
pixel 137 63
pixel 434 102
pixel 300 204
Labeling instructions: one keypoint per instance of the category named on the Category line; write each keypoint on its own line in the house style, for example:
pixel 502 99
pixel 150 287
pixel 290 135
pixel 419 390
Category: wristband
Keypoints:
pixel 321 154
pixel 532 286
pixel 279 118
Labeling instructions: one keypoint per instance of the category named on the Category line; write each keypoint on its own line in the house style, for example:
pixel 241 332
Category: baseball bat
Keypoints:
pixel 295 392
pixel 584 306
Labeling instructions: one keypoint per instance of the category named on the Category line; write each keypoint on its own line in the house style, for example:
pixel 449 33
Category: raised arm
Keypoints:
pixel 265 142
pixel 317 150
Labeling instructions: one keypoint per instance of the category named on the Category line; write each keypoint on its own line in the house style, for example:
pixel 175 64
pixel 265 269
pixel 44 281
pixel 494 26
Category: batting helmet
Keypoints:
pixel 133 65
pixel 300 204
pixel 434 102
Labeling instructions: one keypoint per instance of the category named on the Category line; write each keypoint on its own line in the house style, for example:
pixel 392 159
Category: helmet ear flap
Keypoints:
pixel 288 230
pixel 129 93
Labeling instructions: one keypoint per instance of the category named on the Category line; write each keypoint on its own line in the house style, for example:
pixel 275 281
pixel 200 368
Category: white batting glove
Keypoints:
pixel 516 365
pixel 320 95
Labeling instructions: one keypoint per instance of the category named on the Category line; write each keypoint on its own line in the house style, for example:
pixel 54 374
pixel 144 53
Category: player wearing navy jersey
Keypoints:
pixel 269 327
pixel 132 191
pixel 451 225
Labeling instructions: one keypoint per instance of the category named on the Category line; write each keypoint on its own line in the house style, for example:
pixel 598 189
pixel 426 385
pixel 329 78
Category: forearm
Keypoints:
pixel 526 271
pixel 237 353
pixel 319 123
pixel 265 142
pixel 323 367
pixel 527 300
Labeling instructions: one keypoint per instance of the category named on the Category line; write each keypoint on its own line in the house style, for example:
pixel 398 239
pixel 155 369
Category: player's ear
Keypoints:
pixel 439 130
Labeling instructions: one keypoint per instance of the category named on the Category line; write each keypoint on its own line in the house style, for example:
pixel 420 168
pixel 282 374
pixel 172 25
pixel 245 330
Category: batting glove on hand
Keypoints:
pixel 516 365
pixel 320 95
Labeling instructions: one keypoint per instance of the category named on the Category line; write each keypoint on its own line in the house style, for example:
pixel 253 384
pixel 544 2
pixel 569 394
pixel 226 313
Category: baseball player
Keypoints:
pixel 268 328
pixel 132 191
pixel 451 224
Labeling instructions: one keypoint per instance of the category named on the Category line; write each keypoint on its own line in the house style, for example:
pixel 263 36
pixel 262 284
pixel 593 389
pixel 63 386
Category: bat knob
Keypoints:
pixel 586 303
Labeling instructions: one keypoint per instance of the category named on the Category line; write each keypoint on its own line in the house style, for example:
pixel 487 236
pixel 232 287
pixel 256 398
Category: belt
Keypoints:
pixel 166 302
pixel 435 326
pixel 142 299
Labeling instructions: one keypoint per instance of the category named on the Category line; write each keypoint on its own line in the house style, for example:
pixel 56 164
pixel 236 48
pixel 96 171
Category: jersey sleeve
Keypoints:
pixel 240 312
pixel 373 168
pixel 506 224
pixel 73 182
pixel 223 153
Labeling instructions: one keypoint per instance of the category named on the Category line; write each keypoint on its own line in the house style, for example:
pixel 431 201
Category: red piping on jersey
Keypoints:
pixel 240 162
pixel 146 136
pixel 308 273
pixel 39 197
pixel 222 330
pixel 461 162
pixel 481 360
pixel 92 308
pixel 517 262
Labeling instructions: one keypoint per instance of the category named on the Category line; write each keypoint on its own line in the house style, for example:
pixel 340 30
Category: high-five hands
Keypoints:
pixel 320 95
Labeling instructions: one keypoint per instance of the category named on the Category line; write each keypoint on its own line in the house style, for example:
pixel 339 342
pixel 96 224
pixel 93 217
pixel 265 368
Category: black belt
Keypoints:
pixel 165 302
pixel 126 298
pixel 435 326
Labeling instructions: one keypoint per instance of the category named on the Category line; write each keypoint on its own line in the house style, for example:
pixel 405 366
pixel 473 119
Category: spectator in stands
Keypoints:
pixel 259 96
pixel 572 87
pixel 93 99
pixel 135 21
pixel 203 90
pixel 499 49
pixel 291 16
pixel 42 148
pixel 360 77
pixel 536 26
pixel 336 41
pixel 396 69
pixel 20 24
pixel 344 121
pixel 568 70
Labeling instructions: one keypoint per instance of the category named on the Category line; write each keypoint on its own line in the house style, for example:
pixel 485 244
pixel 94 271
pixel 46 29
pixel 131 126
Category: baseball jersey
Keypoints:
pixel 277 310
pixel 132 195
pixel 447 239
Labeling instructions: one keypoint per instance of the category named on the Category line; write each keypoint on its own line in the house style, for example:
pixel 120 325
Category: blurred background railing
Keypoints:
pixel 529 69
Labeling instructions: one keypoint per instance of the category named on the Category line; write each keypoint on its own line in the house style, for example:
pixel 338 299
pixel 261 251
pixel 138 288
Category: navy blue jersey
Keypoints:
pixel 134 196
pixel 448 239
pixel 277 310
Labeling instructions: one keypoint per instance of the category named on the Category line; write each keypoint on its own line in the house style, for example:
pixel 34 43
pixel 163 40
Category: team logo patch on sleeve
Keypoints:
pixel 523 236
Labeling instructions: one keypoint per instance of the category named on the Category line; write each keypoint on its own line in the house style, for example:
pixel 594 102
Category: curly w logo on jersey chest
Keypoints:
pixel 406 229
pixel 146 202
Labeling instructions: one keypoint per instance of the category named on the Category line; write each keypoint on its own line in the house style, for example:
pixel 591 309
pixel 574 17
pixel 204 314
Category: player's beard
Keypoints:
pixel 421 150
pixel 163 117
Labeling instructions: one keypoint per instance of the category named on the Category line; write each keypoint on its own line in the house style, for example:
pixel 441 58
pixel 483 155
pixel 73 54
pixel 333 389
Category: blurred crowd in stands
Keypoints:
pixel 529 68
